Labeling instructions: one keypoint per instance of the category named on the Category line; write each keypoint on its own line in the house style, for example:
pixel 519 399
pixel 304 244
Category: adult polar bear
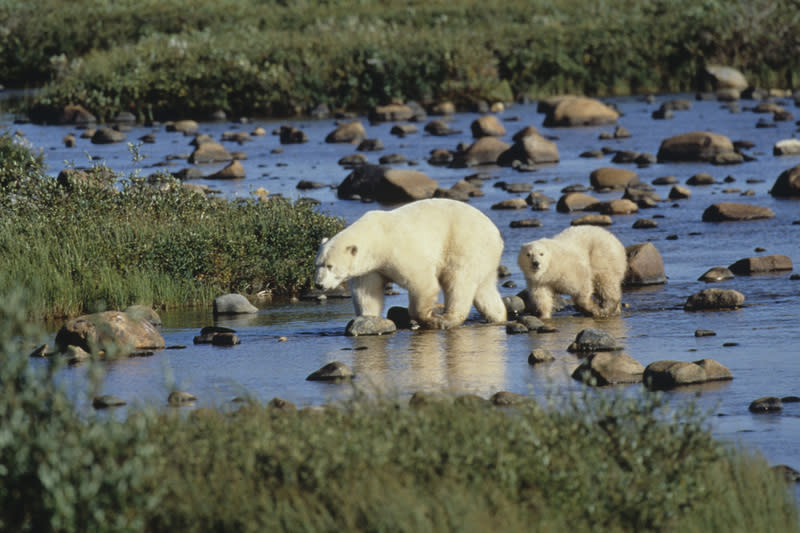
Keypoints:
pixel 586 262
pixel 425 246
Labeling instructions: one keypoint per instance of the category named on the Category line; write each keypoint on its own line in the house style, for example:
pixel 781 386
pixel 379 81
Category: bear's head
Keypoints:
pixel 334 263
pixel 534 258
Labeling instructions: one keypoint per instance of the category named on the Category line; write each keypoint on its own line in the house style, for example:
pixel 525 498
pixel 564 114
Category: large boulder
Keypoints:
pixel 732 211
pixel 662 375
pixel 387 185
pixel 575 201
pixel 645 266
pixel 209 152
pixel 609 368
pixel 694 146
pixel 612 178
pixel 111 333
pixel 232 171
pixel 351 132
pixel 579 111
pixel 484 151
pixel 529 150
pixel 487 126
pixel 786 147
pixel 788 183
pixel 761 264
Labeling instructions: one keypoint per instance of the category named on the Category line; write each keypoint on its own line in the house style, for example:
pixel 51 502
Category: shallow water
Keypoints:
pixel 759 343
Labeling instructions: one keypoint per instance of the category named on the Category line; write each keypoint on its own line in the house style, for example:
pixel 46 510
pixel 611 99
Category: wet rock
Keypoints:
pixel 664 375
pixel 225 339
pixel 704 333
pixel 609 368
pixel 509 204
pixel 370 145
pixel 715 274
pixel 291 135
pixel 387 185
pixel 333 371
pixel 440 128
pixel 787 473
pixel 538 201
pixel 625 156
pixel 484 151
pixel 612 178
pixel 69 141
pixel 177 398
pixel 515 328
pixel 732 211
pixel 701 178
pixel 369 325
pixel 351 132
pixel 714 299
pixel 305 185
pixel 643 198
pixel 514 305
pixel 531 149
pixel 105 401
pixel 761 264
pixel 108 136
pixel 767 404
pixel 526 223
pixel 694 146
pixel 353 160
pixel 787 184
pixel 616 207
pixel 76 115
pixel 401 317
pixel 714 370
pixel 665 180
pixel 401 130
pixel 279 404
pixel 516 188
pixel 111 332
pixel 208 333
pixel 571 111
pixel 393 159
pixel 575 201
pixel 209 152
pixel 232 304
pixel 540 355
pixel 786 147
pixel 487 126
pixel 592 220
pixel 645 266
pixel 594 340
pixel 232 171
pixel 679 192
pixel 645 223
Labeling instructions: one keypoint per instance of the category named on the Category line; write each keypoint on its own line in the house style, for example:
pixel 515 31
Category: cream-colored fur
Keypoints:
pixel 425 246
pixel 587 263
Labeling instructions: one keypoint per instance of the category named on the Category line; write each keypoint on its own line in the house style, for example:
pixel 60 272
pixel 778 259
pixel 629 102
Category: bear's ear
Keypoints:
pixel 353 249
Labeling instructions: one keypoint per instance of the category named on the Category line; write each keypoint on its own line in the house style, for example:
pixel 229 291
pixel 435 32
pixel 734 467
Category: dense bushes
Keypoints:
pixel 95 240
pixel 278 58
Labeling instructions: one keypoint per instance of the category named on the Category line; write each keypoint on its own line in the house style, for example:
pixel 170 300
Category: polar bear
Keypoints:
pixel 425 246
pixel 586 262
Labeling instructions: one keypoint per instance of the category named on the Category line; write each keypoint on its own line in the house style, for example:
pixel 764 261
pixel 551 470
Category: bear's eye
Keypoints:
pixel 329 267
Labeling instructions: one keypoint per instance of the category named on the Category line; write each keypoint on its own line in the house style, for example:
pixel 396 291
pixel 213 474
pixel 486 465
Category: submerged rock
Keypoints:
pixel 333 371
pixel 717 273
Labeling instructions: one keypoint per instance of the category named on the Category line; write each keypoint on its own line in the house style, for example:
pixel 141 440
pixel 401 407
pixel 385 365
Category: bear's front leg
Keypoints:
pixel 541 301
pixel 421 305
pixel 367 293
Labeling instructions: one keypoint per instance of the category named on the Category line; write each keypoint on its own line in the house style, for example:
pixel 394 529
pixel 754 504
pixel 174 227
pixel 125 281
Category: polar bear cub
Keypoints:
pixel 426 247
pixel 586 262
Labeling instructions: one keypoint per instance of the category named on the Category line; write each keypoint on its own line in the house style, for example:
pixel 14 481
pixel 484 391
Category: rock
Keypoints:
pixel 531 149
pixel 391 113
pixel 594 340
pixel 484 151
pixel 714 299
pixel 443 108
pixel 679 192
pixel 786 147
pixel 526 223
pixel 106 401
pixel 766 404
pixel 701 179
pixel 761 264
pixel 233 171
pixel 279 404
pixel 76 115
pixel 440 128
pixel 387 185
pixel 509 399
pixel 514 305
pixel 487 126
pixel 401 130
pixel 714 370
pixel 694 146
pixel 540 355
pixel 714 274
pixel 788 183
pixel 665 180
pixel 579 111
pixel 209 152
pixel 334 371
pixel 353 160
pixel 143 312
pixel 609 368
pixel 401 317
pixel 305 185
pixel 111 332
pixel 69 141
pixel 187 127
pixel 208 333
pixel 233 304
pixel 511 203
pixel 704 333
pixel 177 398
pixel 291 135
pixel 732 211
pixel 616 207
pixel 592 220
pixel 108 136
pixel 575 201
pixel 722 77
pixel 225 339
pixel 370 145
pixel 369 325
pixel 645 223
pixel 612 178
pixel 645 266
pixel 664 375
pixel 351 132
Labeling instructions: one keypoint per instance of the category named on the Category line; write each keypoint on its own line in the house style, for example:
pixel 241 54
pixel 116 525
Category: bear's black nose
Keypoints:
pixel 535 264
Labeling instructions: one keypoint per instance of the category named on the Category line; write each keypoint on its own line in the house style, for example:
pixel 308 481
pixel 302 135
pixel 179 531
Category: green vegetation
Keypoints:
pixel 597 462
pixel 91 239
pixel 270 57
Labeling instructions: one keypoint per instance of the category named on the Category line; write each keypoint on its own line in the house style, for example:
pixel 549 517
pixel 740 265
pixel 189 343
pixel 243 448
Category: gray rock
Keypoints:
pixel 609 368
pixel 663 375
pixel 334 371
pixel 386 184
pixel 715 274
pixel 594 340
pixel 766 404
pixel 694 146
pixel 732 211
pixel 714 299
pixel 112 333
pixel 225 339
pixel 761 264
pixel 514 305
pixel 108 136
pixel 540 355
pixel 369 325
pixel 233 304
pixel 645 266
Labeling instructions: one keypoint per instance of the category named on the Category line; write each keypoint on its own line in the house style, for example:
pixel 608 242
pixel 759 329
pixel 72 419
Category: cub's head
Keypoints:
pixel 534 258
pixel 334 263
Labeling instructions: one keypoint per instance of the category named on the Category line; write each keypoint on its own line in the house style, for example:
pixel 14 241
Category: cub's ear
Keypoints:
pixel 324 240
pixel 353 249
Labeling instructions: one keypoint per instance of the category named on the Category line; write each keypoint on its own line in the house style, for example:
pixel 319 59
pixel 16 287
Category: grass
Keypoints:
pixel 97 240
pixel 597 461
pixel 270 57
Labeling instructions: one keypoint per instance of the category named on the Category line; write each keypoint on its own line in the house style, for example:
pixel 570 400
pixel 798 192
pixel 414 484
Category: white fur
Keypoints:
pixel 587 263
pixel 425 246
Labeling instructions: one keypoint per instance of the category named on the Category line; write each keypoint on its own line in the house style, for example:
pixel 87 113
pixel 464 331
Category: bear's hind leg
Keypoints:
pixel 421 303
pixel 367 293
pixel 608 292
pixel 458 296
pixel 489 303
